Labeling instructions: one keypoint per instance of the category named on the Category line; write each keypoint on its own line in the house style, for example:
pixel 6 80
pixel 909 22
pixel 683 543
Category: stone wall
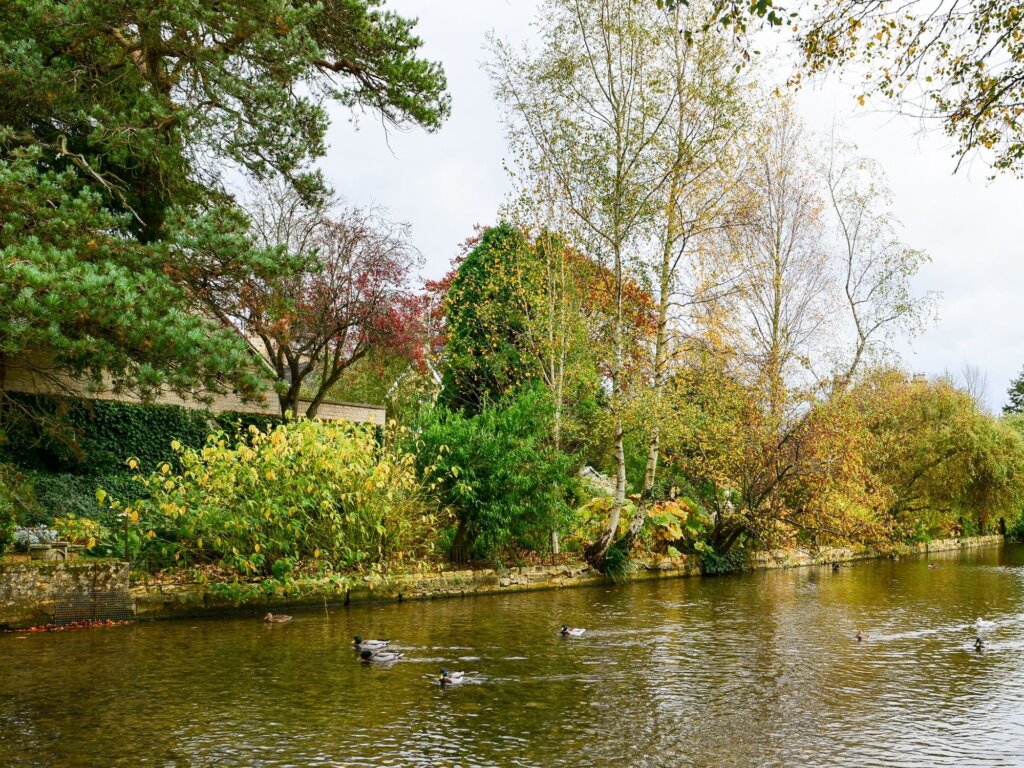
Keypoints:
pixel 33 375
pixel 156 602
pixel 29 590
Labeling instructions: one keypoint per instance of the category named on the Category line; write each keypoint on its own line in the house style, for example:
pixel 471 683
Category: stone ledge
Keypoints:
pixel 27 590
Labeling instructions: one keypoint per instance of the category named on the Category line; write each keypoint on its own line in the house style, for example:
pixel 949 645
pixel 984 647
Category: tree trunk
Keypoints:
pixel 462 545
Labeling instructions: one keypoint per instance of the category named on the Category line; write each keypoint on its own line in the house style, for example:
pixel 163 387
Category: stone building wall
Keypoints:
pixel 34 376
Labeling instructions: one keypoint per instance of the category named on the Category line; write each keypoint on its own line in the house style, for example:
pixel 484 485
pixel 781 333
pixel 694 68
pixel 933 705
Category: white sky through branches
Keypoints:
pixel 444 184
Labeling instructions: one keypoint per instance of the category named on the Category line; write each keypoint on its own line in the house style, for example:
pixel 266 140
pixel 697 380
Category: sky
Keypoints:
pixel 447 182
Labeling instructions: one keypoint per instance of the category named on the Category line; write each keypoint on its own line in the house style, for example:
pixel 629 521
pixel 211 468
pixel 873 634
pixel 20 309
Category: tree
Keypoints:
pixel 487 308
pixel 80 296
pixel 783 293
pixel 959 64
pixel 164 96
pixel 874 265
pixel 701 151
pixel 119 121
pixel 809 486
pixel 344 293
pixel 1015 394
pixel 590 102
pixel 947 464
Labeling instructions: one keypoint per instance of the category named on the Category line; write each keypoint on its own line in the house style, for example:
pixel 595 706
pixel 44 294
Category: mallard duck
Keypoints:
pixel 860 636
pixel 451 678
pixel 279 619
pixel 369 656
pixel 373 645
pixel 835 567
pixel 571 631
pixel 932 566
pixel 979 643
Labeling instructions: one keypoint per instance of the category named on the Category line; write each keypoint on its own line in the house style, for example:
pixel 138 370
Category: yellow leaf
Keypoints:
pixel 257 549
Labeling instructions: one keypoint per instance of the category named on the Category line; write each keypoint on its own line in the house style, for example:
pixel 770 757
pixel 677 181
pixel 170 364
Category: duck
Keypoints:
pixel 451 678
pixel 373 645
pixel 367 656
pixel 835 567
pixel 567 631
pixel 279 619
pixel 932 567
pixel 860 636
pixel 981 624
pixel 979 644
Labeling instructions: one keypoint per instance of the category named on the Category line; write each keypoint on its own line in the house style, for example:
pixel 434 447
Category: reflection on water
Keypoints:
pixel 756 670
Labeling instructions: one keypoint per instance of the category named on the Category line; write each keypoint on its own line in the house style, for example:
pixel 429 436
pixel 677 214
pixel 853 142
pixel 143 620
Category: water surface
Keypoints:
pixel 753 670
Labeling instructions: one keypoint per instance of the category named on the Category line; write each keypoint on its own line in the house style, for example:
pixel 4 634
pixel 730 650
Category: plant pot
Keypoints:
pixel 58 550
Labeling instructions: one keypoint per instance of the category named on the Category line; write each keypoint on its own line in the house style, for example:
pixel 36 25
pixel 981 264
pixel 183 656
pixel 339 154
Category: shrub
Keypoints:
pixel 497 472
pixel 305 490
pixel 16 498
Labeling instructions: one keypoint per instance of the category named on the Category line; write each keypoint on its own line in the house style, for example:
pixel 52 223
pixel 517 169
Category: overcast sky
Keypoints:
pixel 445 183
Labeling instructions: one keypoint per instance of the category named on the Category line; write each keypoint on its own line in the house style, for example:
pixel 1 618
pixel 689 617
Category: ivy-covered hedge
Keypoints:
pixel 66 448
pixel 95 437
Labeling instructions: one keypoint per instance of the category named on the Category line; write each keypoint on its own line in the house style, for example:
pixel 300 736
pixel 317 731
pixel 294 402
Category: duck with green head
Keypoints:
pixel 367 656
pixel 373 645
pixel 451 678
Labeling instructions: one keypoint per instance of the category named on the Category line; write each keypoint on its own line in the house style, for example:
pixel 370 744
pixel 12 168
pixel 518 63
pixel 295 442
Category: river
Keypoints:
pixel 761 669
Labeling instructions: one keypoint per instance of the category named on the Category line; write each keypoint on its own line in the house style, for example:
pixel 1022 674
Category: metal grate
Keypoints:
pixel 92 606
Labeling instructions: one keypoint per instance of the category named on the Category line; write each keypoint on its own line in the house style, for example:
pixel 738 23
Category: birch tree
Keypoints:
pixel 699 149
pixel 874 266
pixel 592 103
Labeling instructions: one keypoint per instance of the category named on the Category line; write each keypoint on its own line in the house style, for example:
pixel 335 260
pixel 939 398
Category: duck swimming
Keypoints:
pixel 567 631
pixel 860 636
pixel 279 619
pixel 981 624
pixel 373 645
pixel 451 678
pixel 979 644
pixel 367 656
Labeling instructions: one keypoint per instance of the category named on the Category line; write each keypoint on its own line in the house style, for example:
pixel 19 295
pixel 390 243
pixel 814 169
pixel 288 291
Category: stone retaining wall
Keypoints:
pixel 27 590
pixel 157 602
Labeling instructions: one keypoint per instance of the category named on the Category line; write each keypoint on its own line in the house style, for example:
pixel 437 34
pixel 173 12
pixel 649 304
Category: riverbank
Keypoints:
pixel 33 594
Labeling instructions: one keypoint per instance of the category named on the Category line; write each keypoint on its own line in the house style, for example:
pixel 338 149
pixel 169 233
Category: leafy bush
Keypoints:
pixel 78 530
pixel 305 490
pixel 497 472
pixel 732 561
pixel 1015 530
pixel 16 498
